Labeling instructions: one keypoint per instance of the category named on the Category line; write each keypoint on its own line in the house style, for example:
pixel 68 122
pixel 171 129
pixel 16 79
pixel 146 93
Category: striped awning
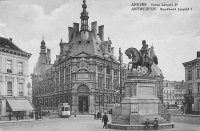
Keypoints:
pixel 20 105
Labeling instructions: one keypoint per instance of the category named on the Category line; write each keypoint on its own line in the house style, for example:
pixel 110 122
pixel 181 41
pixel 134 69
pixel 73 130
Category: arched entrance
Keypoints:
pixel 83 98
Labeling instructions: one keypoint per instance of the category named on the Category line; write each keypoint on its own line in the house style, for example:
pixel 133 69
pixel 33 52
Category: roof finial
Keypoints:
pixel 84 17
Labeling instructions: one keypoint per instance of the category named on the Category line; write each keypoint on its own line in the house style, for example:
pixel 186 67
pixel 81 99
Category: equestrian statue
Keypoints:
pixel 145 57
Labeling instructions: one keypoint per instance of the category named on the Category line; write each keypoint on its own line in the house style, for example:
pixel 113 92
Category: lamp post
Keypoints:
pixel 120 70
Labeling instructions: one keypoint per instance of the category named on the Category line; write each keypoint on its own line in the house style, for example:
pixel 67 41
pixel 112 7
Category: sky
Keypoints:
pixel 175 35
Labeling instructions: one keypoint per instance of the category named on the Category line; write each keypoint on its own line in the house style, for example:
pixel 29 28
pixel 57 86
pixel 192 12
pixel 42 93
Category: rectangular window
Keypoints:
pixel 190 75
pixel 198 104
pixel 100 68
pixel 100 82
pixel 108 83
pixel 108 69
pixel 9 66
pixel 190 88
pixel 198 88
pixel 20 67
pixel 198 73
pixel 20 89
pixel 9 88
pixel 115 72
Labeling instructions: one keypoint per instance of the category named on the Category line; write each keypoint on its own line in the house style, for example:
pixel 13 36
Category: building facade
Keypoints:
pixel 86 74
pixel 192 79
pixel 173 93
pixel 14 76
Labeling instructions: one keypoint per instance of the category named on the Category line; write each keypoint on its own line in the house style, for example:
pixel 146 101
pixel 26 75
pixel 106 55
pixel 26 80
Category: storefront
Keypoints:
pixel 18 108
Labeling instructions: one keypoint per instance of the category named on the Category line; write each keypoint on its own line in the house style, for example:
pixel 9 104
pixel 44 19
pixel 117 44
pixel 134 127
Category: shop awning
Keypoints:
pixel 20 105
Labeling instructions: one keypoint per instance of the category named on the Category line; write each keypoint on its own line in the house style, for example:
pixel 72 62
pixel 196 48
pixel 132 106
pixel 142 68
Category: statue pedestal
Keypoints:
pixel 140 103
pixel 140 99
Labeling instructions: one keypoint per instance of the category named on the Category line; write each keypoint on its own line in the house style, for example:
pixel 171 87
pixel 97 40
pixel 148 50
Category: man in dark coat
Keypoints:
pixel 155 123
pixel 147 124
pixel 105 120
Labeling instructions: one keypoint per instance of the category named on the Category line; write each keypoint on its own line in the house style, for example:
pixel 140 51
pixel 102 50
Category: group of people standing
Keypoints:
pixel 148 123
pixel 104 119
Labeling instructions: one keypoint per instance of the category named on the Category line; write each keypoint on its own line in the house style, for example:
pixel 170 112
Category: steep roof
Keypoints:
pixel 8 46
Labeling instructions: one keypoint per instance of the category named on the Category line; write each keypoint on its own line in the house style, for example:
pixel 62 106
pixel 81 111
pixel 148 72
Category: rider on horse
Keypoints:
pixel 144 52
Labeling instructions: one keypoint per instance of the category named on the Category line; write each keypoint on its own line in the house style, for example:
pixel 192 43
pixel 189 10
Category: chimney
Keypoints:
pixel 61 47
pixel 76 29
pixel 70 33
pixel 101 32
pixel 48 56
pixel 94 27
pixel 198 54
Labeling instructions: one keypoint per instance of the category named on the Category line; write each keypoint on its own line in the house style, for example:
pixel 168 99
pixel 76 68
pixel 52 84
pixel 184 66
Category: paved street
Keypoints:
pixel 86 123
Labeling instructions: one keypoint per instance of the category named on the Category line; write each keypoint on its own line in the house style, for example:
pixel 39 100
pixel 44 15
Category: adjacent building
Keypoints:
pixel 192 79
pixel 86 74
pixel 173 93
pixel 14 77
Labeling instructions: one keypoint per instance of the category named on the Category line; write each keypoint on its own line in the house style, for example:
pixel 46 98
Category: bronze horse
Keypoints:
pixel 137 59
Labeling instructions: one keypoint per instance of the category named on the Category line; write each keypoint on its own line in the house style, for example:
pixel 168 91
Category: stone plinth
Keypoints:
pixel 140 103
pixel 140 127
pixel 140 98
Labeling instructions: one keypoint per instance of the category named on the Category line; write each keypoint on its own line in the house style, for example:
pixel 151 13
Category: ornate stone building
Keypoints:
pixel 85 73
pixel 14 76
pixel 173 93
pixel 192 82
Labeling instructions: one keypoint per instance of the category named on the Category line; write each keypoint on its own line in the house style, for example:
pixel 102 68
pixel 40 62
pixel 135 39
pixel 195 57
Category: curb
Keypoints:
pixel 14 121
pixel 187 115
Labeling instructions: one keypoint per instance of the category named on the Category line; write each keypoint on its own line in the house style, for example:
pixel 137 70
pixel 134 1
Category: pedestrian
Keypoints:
pixel 9 116
pixel 182 109
pixel 105 120
pixel 155 123
pixel 98 115
pixel 147 124
pixel 75 113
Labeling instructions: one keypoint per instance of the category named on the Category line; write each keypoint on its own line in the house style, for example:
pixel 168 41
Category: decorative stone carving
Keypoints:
pixel 75 68
pixel 10 78
pixel 140 71
pixel 83 65
pixel 20 80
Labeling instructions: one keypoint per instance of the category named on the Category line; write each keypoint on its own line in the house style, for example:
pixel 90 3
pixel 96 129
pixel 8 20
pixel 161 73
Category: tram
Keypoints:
pixel 64 110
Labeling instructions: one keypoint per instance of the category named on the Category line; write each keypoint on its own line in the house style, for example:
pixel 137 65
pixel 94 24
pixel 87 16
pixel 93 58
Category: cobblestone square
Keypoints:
pixel 87 123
